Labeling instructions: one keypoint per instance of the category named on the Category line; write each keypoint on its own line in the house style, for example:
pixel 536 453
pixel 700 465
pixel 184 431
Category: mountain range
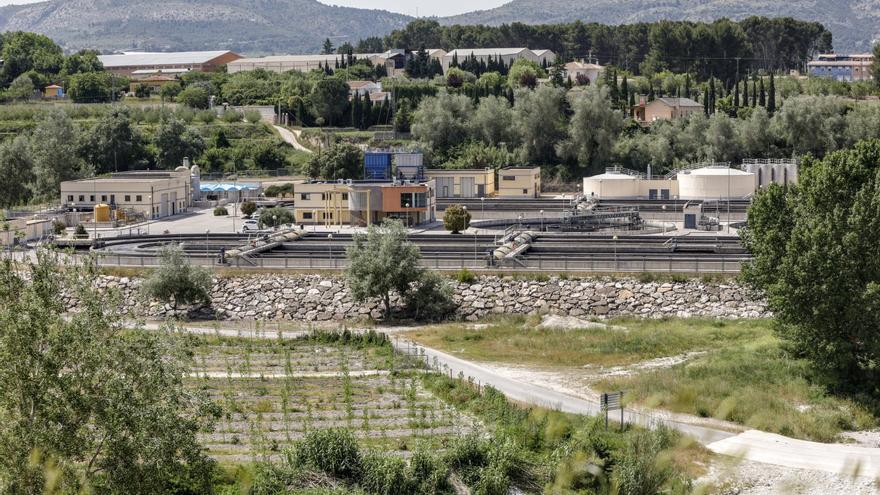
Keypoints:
pixel 300 26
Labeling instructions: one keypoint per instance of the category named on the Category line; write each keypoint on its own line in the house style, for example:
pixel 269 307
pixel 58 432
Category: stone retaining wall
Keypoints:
pixel 320 298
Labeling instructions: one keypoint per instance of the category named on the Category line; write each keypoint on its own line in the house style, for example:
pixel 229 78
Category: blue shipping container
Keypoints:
pixel 377 166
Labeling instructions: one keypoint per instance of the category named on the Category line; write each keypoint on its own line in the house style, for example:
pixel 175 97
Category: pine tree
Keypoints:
pixel 762 99
pixel 771 96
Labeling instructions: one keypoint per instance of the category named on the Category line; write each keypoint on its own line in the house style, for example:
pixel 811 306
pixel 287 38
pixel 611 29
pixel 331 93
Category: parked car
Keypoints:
pixel 249 225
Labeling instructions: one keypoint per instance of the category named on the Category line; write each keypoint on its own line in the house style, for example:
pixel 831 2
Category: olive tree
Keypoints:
pixel 248 208
pixel 382 262
pixel 176 281
pixel 90 402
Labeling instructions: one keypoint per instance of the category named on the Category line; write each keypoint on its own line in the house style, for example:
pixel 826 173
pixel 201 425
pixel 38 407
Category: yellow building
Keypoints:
pixel 519 182
pixel 466 183
pixel 362 203
pixel 154 194
pixel 321 203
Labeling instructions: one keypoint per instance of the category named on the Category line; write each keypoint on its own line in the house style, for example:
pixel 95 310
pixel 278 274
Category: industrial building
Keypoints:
pixel 519 182
pixel 839 67
pixel 506 55
pixel 362 203
pixel 463 183
pixel 127 63
pixel 701 182
pixel 393 60
pixel 150 193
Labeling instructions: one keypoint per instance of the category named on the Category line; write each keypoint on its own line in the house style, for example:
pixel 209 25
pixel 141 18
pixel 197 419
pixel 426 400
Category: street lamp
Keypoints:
pixel 406 205
pixel 314 220
pixel 207 249
pixel 615 252
pixel 330 248
pixel 274 222
pixel 542 220
pixel 482 207
pixel 664 218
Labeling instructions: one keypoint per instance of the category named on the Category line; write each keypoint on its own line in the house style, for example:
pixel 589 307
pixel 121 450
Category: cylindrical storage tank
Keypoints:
pixel 610 185
pixel 377 166
pixel 715 183
pixel 102 213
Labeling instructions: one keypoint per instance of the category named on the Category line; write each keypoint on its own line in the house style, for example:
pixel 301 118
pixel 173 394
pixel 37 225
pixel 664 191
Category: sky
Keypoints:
pixel 422 8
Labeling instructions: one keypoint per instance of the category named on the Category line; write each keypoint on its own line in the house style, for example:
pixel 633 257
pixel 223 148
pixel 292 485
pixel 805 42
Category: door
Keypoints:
pixel 652 194
pixel 445 186
pixel 467 187
pixel 690 221
pixel 664 193
pixel 481 190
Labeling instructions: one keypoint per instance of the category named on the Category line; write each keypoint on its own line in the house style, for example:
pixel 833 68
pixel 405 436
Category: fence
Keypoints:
pixel 683 264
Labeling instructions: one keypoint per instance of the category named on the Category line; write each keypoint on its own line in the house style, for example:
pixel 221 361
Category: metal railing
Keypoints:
pixel 721 264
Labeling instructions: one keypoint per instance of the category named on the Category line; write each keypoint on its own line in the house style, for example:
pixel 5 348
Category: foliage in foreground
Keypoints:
pixel 816 250
pixel 88 405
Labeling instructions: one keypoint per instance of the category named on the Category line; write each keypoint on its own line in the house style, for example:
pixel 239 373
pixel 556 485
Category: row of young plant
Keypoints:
pixel 528 450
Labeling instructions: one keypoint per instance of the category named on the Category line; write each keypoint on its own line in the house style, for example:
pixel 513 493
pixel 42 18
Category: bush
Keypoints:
pixel 430 298
pixel 194 97
pixel 80 231
pixel 253 116
pixel 248 208
pixel 384 475
pixel 176 281
pixel 58 227
pixel 465 276
pixel 332 451
pixel 206 116
pixel 456 218
pixel 221 211
pixel 273 217
pixel 640 469
pixel 232 116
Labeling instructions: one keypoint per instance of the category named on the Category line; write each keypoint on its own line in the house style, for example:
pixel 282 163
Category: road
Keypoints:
pixel 750 445
pixel 291 138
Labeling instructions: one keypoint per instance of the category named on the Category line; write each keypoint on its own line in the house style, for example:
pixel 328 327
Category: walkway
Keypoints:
pixel 291 137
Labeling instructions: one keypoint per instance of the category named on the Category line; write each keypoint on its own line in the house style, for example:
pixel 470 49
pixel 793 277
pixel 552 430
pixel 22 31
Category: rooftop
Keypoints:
pixel 482 52
pixel 679 102
pixel 128 59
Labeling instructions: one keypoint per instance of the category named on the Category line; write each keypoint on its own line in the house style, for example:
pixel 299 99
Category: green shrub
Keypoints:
pixel 248 208
pixel 206 116
pixel 641 470
pixel 427 472
pixel 253 116
pixel 332 451
pixel 58 227
pixel 232 116
pixel 384 475
pixel 221 211
pixel 465 276
pixel 430 299
pixel 80 231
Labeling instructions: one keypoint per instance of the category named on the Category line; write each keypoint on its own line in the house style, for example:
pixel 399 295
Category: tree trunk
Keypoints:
pixel 387 300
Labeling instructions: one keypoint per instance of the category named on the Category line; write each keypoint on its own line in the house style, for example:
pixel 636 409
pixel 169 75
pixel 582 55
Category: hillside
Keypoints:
pixel 250 26
pixel 854 23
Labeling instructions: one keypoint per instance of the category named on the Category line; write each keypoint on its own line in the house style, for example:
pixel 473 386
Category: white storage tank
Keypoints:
pixel 611 185
pixel 715 183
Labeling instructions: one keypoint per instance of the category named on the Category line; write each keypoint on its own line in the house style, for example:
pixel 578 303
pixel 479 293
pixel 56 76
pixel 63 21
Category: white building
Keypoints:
pixel 506 55
pixel 580 71
pixel 393 60
pixel 715 182
pixel 152 193
pixel 363 88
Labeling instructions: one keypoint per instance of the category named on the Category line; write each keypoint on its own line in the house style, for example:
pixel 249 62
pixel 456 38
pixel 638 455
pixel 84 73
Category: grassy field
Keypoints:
pixel 272 392
pixel 730 370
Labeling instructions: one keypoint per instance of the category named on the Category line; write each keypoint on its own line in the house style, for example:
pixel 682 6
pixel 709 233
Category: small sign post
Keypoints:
pixel 611 401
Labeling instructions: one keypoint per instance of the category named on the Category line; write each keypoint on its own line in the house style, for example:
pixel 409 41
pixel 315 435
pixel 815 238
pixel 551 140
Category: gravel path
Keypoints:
pixel 291 138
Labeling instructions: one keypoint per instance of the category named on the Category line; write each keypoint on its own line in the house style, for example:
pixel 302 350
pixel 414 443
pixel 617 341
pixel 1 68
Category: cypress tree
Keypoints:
pixel 771 97
pixel 754 93
pixel 510 96
pixel 762 99
pixel 650 90
pixel 745 101
pixel 736 95
pixel 624 90
pixel 615 90
pixel 356 110
pixel 367 119
pixel 711 95
pixel 706 102
pixel 687 85
pixel 632 103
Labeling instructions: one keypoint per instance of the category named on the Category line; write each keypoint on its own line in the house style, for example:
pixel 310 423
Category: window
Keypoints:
pixel 508 177
pixel 103 198
pixel 70 198
pixel 307 215
pixel 345 196
pixel 82 198
pixel 128 198
pixel 323 197
pixel 92 198
pixel 138 198
pixel 525 191
pixel 304 196
pixel 112 198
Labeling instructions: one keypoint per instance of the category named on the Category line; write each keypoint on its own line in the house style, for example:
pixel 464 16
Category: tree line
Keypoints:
pixel 722 48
